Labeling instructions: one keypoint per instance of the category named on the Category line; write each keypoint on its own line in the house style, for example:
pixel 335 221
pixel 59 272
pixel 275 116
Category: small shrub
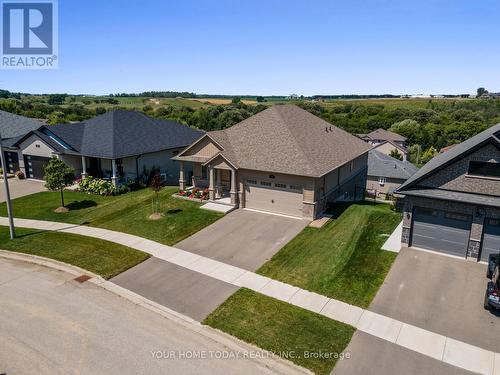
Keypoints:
pixel 99 186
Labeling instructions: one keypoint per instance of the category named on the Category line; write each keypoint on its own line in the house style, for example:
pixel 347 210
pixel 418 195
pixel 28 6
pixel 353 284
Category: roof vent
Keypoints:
pixel 326 129
pixel 330 128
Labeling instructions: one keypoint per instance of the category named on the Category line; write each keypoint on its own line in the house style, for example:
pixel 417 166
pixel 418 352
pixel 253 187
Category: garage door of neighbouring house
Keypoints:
pixel 273 197
pixel 34 166
pixel 446 232
pixel 491 238
pixel 12 161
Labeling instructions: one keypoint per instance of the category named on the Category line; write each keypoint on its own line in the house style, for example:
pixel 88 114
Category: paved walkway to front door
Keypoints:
pixel 433 345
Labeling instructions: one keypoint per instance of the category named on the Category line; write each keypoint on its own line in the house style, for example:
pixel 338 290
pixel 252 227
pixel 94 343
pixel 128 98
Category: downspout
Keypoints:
pixel 137 168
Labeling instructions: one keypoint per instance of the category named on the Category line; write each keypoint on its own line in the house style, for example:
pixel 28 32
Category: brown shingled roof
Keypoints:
pixel 288 139
pixel 385 135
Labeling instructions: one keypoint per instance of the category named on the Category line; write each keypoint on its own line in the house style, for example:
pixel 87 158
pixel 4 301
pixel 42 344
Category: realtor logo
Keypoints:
pixel 29 34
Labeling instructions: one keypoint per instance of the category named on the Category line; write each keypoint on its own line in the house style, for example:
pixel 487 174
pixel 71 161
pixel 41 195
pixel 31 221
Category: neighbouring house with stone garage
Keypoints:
pixel 452 204
pixel 119 145
pixel 282 160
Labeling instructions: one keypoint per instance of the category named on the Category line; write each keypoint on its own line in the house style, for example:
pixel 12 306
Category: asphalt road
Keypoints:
pixel 50 324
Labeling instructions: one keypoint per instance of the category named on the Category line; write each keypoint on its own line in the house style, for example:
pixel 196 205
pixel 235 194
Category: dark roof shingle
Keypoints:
pixel 382 165
pixel 123 133
pixel 13 126
pixel 454 153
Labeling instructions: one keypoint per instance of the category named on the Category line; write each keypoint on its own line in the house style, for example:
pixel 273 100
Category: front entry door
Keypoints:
pixel 94 169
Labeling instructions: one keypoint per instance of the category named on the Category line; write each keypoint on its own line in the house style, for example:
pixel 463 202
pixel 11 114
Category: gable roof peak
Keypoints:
pixel 443 159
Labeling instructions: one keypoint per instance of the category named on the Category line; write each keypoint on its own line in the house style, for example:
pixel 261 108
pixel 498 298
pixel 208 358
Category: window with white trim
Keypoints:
pixel 265 183
pixel 296 187
pixel 252 182
pixel 281 186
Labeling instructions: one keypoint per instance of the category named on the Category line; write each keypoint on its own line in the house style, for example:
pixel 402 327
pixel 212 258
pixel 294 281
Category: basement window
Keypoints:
pixel 484 169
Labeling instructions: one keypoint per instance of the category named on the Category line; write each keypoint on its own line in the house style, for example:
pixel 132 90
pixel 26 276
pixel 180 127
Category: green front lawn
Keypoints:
pixel 125 213
pixel 104 258
pixel 283 329
pixel 342 260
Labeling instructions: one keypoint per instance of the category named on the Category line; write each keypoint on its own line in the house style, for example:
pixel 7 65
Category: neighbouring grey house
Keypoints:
pixel 452 204
pixel 283 160
pixel 12 127
pixel 386 174
pixel 119 145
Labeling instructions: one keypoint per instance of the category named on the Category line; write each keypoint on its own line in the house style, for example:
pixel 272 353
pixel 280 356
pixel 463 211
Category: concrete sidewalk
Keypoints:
pixel 393 243
pixel 425 342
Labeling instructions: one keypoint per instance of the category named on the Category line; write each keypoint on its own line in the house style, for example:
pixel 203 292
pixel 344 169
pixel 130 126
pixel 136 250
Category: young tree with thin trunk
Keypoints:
pixel 58 175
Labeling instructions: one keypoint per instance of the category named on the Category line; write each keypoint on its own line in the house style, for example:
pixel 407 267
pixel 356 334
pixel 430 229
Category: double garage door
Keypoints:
pixel 274 197
pixel 442 231
pixel 35 166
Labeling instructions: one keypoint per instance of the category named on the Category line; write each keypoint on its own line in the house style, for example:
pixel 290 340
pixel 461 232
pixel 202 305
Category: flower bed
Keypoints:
pixel 195 194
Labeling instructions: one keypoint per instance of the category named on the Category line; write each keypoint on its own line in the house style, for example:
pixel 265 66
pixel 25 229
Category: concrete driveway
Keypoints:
pixel 20 188
pixel 441 294
pixel 244 238
pixel 185 291
pixel 53 325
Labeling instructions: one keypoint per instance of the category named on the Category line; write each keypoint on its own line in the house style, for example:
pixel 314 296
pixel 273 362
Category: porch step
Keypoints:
pixel 219 207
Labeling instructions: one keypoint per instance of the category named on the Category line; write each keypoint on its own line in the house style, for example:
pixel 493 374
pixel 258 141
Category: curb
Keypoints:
pixel 270 362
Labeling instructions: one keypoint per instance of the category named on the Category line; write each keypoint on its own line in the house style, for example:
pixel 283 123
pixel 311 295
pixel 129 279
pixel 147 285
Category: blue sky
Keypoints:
pixel 271 47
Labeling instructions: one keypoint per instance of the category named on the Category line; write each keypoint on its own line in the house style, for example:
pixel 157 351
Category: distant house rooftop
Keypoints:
pixel 384 135
pixel 383 165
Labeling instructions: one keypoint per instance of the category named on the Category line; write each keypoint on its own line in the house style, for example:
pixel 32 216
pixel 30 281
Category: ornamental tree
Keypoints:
pixel 58 175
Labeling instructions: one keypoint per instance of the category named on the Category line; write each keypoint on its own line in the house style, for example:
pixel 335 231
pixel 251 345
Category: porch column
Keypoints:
pixel 211 190
pixel 218 188
pixel 114 178
pixel 233 192
pixel 84 167
pixel 182 180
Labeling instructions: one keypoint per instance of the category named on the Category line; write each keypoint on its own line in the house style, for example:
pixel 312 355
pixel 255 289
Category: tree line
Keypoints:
pixel 429 128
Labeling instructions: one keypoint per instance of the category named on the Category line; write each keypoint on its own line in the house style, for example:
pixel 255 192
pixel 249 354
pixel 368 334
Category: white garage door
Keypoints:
pixel 273 197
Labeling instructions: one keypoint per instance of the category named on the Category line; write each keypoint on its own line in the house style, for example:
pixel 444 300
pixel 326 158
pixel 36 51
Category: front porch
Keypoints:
pixel 218 178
